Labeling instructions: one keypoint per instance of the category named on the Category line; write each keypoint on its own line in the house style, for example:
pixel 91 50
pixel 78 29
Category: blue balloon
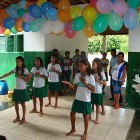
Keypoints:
pixel 35 11
pixel 52 14
pixel 45 8
pixel 12 11
pixel 9 22
pixel 26 26
pixel 113 1
pixel 131 19
pixel 22 4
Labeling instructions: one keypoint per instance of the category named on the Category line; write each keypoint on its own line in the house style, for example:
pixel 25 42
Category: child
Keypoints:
pixel 54 85
pixel 100 80
pixel 39 89
pixel 20 94
pixel 83 85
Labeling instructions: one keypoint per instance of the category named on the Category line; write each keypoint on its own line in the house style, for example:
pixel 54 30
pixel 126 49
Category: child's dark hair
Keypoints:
pixel 99 67
pixel 23 65
pixel 121 53
pixel 41 61
pixel 77 50
pixel 86 62
pixel 2 137
pixel 56 56
pixel 113 50
pixel 67 52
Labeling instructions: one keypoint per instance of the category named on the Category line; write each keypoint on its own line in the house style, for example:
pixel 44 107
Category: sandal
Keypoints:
pixel 34 111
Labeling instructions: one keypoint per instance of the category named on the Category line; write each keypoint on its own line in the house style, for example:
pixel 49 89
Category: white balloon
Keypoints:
pixel 57 27
pixel 46 27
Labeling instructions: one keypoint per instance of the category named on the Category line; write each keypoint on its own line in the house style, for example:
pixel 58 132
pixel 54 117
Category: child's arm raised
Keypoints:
pixel 74 87
pixel 7 74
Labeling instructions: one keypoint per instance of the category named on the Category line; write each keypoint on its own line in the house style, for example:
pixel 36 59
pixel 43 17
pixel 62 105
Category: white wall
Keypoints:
pixel 134 40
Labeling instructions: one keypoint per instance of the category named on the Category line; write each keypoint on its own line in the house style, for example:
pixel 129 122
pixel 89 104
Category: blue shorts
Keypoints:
pixel 116 86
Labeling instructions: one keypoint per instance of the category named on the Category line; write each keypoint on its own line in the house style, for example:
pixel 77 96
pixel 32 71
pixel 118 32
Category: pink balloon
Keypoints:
pixel 27 18
pixel 68 31
pixel 104 6
pixel 120 7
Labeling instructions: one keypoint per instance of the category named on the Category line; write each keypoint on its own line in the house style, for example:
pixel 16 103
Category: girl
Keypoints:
pixel 54 85
pixel 83 85
pixel 100 80
pixel 20 94
pixel 39 89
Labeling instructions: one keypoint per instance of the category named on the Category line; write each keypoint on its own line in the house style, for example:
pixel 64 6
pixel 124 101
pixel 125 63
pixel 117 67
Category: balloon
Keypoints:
pixel 45 8
pixel 13 30
pixel 2 29
pixel 35 11
pixel 68 31
pixel 7 32
pixel 115 22
pixel 40 2
pixel 57 27
pixel 12 11
pixel 9 22
pixel 75 12
pixel 21 12
pixel 28 4
pixel 133 3
pixel 46 27
pixel 63 5
pixel 52 14
pixel 88 30
pixel 89 14
pixel 64 16
pixel 120 7
pixel 27 18
pixel 104 6
pixel 22 4
pixel 78 23
pixel 3 15
pixel 113 1
pixel 18 25
pixel 100 24
pixel 26 26
pixel 139 15
pixel 131 19
pixel 93 4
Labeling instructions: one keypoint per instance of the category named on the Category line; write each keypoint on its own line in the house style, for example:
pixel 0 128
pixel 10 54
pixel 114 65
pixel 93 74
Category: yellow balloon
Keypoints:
pixel 40 2
pixel 88 30
pixel 89 14
pixel 75 12
pixel 7 32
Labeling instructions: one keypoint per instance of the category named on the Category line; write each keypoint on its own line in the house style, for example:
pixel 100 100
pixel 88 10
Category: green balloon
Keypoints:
pixel 78 23
pixel 21 12
pixel 133 3
pixel 100 24
pixel 13 30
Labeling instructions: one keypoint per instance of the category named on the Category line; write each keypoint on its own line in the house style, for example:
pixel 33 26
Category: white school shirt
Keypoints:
pixel 117 72
pixel 39 81
pixel 67 61
pixel 19 83
pixel 53 76
pixel 113 62
pixel 83 93
pixel 75 59
pixel 99 86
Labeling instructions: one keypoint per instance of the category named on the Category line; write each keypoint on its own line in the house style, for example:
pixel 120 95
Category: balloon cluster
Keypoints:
pixel 94 18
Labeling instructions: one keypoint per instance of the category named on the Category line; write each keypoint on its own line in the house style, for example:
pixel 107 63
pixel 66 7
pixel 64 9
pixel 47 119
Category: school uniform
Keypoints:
pixel 20 93
pixel 82 102
pixel 97 95
pixel 54 83
pixel 39 89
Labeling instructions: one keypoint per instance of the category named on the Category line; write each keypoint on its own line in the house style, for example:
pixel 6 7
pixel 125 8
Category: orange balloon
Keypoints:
pixel 63 5
pixel 2 29
pixel 29 4
pixel 18 25
pixel 3 14
pixel 64 16
pixel 18 29
pixel 88 30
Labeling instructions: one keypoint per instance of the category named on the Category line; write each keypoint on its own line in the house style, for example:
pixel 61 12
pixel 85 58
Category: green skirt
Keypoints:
pixel 97 99
pixel 81 107
pixel 54 86
pixel 39 92
pixel 20 96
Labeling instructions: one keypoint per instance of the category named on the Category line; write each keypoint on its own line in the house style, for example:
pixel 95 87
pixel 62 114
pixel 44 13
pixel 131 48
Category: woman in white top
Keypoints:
pixel 100 80
pixel 118 78
pixel 54 85
pixel 83 85
pixel 20 94
pixel 39 89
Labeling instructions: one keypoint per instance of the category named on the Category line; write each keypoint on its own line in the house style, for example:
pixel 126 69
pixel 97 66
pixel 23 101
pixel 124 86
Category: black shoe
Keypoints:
pixel 111 98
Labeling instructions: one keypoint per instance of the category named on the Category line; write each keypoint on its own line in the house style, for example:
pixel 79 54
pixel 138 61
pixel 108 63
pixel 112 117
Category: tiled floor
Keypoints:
pixel 55 124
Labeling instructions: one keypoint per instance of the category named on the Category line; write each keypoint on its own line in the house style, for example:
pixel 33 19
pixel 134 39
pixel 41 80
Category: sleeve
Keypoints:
pixel 14 70
pixel 48 68
pixel 103 76
pixel 26 72
pixel 92 80
pixel 33 70
pixel 45 72
pixel 76 79
pixel 59 68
